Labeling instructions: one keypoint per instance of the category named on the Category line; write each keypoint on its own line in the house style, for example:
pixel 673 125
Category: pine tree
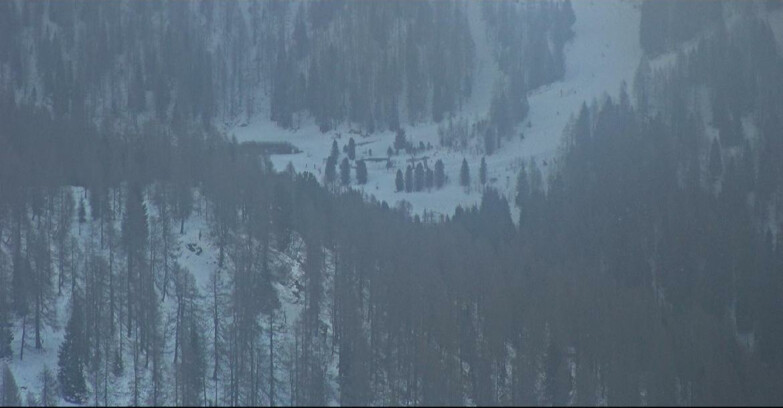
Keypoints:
pixel 523 188
pixel 399 182
pixel 335 151
pixel 6 335
pixel 134 238
pixel 464 174
pixel 48 387
pixel 82 212
pixel 409 179
pixel 429 178
pixel 399 140
pixel 418 177
pixel 9 394
pixel 361 172
pixel 192 366
pixel 483 171
pixel 330 173
pixel 71 359
pixel 440 174
pixel 345 171
pixel 351 149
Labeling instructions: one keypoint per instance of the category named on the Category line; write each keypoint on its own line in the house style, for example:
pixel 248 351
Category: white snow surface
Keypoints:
pixel 603 53
pixel 201 263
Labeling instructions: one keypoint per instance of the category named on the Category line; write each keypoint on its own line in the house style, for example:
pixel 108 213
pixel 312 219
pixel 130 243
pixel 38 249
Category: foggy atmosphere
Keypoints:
pixel 391 202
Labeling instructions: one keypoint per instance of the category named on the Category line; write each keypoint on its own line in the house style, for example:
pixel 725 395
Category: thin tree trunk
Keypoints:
pixel 24 332
pixel 271 361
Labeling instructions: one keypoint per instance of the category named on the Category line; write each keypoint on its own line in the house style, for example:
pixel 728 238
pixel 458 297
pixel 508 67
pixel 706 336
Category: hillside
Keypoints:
pixel 603 54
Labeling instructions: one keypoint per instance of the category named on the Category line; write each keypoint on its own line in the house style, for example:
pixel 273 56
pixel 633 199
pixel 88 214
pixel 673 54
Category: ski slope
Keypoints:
pixel 603 53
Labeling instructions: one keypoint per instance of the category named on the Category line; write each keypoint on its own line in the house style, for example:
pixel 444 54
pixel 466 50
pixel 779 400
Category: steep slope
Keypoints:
pixel 196 252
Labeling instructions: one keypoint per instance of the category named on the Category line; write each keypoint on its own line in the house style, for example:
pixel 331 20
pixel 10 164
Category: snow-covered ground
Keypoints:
pixel 604 52
pixel 195 252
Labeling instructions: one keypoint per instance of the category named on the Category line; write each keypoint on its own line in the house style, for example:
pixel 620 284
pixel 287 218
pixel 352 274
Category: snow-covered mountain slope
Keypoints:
pixel 604 52
pixel 195 252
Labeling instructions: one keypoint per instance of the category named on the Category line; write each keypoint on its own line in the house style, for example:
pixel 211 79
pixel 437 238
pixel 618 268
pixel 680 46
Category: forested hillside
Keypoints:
pixel 148 258
pixel 376 65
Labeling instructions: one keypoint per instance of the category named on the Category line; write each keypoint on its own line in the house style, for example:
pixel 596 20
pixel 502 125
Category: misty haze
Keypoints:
pixel 391 202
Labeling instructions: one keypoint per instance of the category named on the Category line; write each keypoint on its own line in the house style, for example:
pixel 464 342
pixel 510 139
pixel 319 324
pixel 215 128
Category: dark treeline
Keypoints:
pixel 376 65
pixel 666 24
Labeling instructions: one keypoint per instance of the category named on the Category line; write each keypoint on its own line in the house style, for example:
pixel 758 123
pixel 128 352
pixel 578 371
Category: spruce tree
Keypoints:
pixel 418 177
pixel 361 172
pixel 464 174
pixel 9 394
pixel 345 172
pixel 82 212
pixel 409 179
pixel 398 181
pixel 335 151
pixel 71 356
pixel 483 171
pixel 399 140
pixel 6 335
pixel 351 149
pixel 192 367
pixel 48 387
pixel 440 174
pixel 330 173
pixel 523 194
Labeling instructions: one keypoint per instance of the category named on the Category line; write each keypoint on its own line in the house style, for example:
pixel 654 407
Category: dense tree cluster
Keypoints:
pixel 377 65
pixel 667 23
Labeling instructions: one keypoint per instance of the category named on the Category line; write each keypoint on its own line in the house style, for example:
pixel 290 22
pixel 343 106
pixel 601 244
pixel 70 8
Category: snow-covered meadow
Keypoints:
pixel 603 54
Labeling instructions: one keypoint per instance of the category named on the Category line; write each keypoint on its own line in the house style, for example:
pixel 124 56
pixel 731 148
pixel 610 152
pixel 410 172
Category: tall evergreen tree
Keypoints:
pixel 9 394
pixel 361 172
pixel 351 149
pixel 6 335
pixel 464 174
pixel 408 179
pixel 418 177
pixel 82 212
pixel 399 182
pixel 345 172
pixel 399 140
pixel 330 172
pixel 440 174
pixel 71 356
pixel 48 387
pixel 335 152
pixel 483 171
